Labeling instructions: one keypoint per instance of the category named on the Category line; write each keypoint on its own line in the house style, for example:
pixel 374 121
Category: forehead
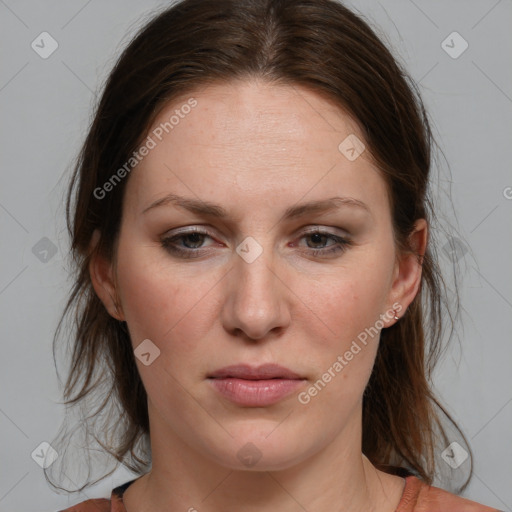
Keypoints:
pixel 256 140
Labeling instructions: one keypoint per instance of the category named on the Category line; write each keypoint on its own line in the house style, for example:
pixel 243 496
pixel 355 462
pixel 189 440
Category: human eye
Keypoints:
pixel 323 243
pixel 191 243
pixel 186 244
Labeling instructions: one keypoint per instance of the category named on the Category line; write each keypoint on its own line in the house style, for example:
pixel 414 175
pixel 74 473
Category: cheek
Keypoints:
pixel 344 355
pixel 343 320
pixel 345 304
pixel 170 307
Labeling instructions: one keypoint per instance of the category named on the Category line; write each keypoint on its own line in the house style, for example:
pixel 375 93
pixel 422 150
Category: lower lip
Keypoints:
pixel 255 393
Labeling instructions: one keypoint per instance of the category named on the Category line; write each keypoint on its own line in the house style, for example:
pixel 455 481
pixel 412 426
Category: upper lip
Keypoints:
pixel 245 371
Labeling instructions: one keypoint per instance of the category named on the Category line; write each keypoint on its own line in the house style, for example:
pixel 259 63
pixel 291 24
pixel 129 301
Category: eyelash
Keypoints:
pixel 341 244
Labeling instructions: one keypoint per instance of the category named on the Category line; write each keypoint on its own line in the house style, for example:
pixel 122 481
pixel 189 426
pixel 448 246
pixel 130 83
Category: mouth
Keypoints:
pixel 263 372
pixel 260 386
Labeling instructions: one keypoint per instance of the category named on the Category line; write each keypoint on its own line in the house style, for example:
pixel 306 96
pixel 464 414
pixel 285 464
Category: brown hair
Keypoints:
pixel 319 44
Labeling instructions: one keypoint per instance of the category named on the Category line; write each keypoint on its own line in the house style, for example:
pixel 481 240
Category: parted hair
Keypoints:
pixel 328 48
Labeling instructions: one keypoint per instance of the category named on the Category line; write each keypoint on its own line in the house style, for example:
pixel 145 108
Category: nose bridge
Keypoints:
pixel 257 301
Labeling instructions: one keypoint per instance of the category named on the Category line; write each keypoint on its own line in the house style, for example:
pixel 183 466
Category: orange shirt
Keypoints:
pixel 417 497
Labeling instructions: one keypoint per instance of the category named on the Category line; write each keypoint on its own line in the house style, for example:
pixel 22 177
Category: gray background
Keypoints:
pixel 45 107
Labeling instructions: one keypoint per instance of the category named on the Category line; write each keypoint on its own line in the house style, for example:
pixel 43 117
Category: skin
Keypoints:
pixel 256 149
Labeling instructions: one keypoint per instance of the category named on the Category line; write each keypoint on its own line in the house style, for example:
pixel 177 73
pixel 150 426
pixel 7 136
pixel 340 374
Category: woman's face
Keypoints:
pixel 256 170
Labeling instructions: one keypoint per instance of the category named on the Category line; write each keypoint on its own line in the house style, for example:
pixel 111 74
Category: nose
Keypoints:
pixel 257 302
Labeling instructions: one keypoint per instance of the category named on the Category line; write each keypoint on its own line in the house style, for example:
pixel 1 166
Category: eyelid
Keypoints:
pixel 315 228
pixel 187 230
pixel 342 241
pixel 320 228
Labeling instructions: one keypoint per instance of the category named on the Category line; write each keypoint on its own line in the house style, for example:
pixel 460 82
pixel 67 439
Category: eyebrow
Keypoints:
pixel 214 210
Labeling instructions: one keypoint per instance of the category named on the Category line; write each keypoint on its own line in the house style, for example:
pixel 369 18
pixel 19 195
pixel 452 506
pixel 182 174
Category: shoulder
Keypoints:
pixel 420 497
pixel 114 504
pixel 96 505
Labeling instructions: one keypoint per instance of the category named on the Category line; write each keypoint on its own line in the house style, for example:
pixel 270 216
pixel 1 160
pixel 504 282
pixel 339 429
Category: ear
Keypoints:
pixel 407 273
pixel 103 282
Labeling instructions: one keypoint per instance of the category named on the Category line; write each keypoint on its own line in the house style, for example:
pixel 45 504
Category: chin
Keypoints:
pixel 261 449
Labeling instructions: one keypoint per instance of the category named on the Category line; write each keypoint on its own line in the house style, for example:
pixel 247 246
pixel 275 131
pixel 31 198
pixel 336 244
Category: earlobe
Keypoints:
pixel 407 278
pixel 102 278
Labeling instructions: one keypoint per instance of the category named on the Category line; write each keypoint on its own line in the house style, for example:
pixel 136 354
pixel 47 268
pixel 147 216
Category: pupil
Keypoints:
pixel 195 238
pixel 317 238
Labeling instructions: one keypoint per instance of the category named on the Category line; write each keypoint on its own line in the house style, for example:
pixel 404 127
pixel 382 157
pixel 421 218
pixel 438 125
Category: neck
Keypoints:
pixel 338 476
